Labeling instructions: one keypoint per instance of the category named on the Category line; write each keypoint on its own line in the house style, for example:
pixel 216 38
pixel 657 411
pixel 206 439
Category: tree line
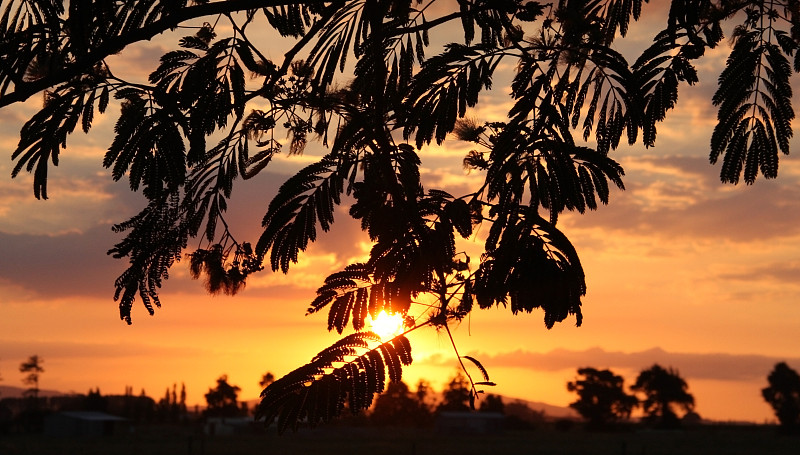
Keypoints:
pixel 27 413
pixel 660 393
pixel 602 399
pixel 397 405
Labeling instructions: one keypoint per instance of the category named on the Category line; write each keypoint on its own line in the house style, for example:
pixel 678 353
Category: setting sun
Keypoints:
pixel 386 325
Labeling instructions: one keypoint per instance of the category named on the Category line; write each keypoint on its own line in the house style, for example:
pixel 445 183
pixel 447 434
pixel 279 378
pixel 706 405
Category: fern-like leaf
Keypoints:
pixel 445 86
pixel 348 293
pixel 291 20
pixel 548 166
pixel 657 73
pixel 302 201
pixel 534 265
pixel 148 146
pixel 317 392
pixel 154 242
pixel 755 112
pixel 477 364
pixel 45 134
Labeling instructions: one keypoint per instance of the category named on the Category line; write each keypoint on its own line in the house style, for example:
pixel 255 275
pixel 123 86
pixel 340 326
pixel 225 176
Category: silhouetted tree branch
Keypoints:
pixel 113 45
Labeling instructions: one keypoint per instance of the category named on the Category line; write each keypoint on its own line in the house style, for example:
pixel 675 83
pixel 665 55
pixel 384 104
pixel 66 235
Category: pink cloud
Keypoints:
pixel 785 273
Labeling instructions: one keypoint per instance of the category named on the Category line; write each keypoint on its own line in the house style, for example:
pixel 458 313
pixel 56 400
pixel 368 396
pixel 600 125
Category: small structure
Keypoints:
pixel 229 425
pixel 451 422
pixel 84 423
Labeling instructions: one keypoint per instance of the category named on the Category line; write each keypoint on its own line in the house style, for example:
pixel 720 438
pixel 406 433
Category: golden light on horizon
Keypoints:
pixel 387 325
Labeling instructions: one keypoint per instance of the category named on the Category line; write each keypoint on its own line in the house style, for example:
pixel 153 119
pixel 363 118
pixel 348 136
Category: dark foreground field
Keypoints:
pixel 179 441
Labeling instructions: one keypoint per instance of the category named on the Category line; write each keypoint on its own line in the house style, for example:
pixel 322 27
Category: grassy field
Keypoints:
pixel 338 440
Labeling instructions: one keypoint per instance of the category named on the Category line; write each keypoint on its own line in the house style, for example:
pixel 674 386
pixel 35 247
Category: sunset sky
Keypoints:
pixel 681 270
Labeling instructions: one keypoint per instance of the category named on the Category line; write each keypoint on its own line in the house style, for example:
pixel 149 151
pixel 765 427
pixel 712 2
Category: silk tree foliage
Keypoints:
pixel 363 79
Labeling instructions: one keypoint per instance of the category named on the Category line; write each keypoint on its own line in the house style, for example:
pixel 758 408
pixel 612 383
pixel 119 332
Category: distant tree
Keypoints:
pixel 456 396
pixel 222 399
pixel 164 406
pixel 783 394
pixel 182 403
pixel 601 397
pixel 664 390
pixel 171 408
pixel 33 368
pixel 266 380
pixel 398 406
pixel 424 394
pixel 380 84
pixel 492 403
pixel 128 402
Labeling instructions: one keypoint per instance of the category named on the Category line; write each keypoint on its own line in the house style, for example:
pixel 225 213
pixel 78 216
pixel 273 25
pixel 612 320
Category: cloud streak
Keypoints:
pixel 673 197
pixel 73 264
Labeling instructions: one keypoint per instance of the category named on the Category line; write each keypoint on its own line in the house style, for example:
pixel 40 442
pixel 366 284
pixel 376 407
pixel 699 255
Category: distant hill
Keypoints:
pixel 7 391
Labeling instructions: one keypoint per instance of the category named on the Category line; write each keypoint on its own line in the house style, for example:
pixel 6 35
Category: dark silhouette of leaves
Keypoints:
pixel 755 110
pixel 292 19
pixel 479 365
pixel 317 392
pixel 154 242
pixel 445 87
pixel 45 134
pixel 658 74
pixel 305 199
pixel 148 146
pixel 534 265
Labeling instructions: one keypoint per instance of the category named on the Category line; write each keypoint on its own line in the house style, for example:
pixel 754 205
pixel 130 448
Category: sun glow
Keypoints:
pixel 387 325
